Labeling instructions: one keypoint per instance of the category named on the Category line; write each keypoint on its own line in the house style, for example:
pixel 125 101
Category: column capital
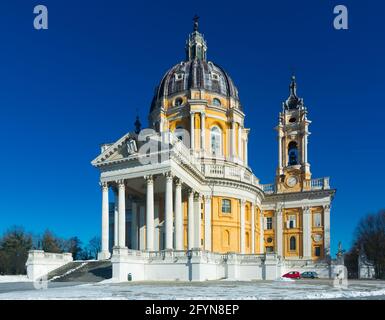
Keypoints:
pixel 327 207
pixel 168 175
pixel 306 209
pixel 197 196
pixel 190 191
pixel 120 183
pixel 149 179
pixel 207 197
pixel 103 184
pixel 177 181
pixel 242 202
pixel 278 211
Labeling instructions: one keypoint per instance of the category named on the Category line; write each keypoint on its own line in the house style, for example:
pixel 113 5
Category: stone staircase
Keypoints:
pixel 82 271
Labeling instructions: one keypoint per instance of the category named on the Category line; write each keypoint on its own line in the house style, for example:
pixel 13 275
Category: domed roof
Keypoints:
pixel 293 102
pixel 195 74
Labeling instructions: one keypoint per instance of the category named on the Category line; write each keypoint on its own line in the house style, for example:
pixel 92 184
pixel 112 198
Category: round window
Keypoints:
pixel 178 102
pixel 216 102
pixel 269 240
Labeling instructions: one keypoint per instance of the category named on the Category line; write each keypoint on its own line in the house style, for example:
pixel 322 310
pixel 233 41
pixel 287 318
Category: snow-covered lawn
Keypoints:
pixel 207 290
pixel 18 278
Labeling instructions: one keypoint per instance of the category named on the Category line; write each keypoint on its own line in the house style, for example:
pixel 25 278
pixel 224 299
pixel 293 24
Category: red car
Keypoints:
pixel 292 275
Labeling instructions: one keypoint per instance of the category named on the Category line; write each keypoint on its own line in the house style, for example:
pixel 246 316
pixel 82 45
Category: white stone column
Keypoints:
pixel 142 229
pixel 134 226
pixel 278 231
pixel 232 145
pixel 203 131
pixel 252 228
pixel 116 218
pixel 208 245
pixel 261 232
pixel 190 213
pixel 122 214
pixel 197 220
pixel 178 215
pixel 168 212
pixel 305 144
pixel 150 213
pixel 246 153
pixel 280 156
pixel 327 230
pixel 306 232
pixel 239 141
pixel 192 130
pixel 242 240
pixel 157 228
pixel 104 253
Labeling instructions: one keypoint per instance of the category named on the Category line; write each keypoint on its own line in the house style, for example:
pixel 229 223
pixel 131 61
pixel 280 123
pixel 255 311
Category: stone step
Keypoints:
pixel 83 271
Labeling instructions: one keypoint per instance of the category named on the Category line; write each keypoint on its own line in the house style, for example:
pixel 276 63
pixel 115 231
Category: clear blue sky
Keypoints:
pixel 66 90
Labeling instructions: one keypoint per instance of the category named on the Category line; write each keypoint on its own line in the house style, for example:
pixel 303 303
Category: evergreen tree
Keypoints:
pixel 14 247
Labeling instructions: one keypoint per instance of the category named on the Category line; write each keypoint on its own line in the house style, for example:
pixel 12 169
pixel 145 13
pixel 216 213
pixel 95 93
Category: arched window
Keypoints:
pixel 293 153
pixel 293 244
pixel 216 102
pixel 216 140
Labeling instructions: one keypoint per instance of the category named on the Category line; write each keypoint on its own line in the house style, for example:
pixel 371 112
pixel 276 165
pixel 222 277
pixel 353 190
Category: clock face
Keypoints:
pixel 291 181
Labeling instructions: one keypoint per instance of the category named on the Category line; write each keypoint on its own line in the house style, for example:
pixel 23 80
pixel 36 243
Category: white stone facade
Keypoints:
pixel 40 263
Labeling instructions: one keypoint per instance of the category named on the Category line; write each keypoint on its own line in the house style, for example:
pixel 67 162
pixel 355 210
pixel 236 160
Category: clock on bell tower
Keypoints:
pixel 293 131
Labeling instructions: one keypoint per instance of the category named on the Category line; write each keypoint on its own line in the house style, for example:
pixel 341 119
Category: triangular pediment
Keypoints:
pixel 114 151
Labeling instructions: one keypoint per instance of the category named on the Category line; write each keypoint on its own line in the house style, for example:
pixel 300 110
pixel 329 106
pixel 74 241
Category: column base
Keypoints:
pixel 104 255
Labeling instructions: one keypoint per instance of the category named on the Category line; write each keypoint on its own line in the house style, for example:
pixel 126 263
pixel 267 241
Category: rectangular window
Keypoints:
pixel 269 223
pixel 317 251
pixel 226 206
pixel 269 249
pixel 317 222
pixel 291 222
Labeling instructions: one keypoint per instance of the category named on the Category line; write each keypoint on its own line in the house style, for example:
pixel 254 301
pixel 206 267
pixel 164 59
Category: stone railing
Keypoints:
pixel 320 183
pixel 244 258
pixel 228 171
pixel 313 184
pixel 268 188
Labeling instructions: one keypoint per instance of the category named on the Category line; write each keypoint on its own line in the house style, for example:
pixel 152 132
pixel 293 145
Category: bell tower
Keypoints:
pixel 293 130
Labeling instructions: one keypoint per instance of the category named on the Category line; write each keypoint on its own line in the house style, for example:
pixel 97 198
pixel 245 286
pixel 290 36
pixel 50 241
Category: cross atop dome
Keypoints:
pixel 196 46
pixel 196 22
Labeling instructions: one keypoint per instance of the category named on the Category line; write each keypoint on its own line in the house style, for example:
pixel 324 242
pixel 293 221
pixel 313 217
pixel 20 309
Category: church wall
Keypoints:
pixel 269 234
pixel 226 226
pixel 317 230
pixel 296 232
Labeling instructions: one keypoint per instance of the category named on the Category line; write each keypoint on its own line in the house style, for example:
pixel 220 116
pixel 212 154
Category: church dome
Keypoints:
pixel 194 73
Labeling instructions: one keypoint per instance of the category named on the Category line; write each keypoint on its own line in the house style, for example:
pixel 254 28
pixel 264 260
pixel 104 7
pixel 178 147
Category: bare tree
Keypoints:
pixel 94 246
pixel 370 235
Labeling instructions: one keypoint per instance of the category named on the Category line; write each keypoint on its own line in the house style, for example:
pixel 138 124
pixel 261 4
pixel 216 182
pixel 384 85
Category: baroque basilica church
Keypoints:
pixel 185 203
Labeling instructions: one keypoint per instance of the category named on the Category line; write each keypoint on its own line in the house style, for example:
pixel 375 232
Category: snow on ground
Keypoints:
pixel 18 278
pixel 264 290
